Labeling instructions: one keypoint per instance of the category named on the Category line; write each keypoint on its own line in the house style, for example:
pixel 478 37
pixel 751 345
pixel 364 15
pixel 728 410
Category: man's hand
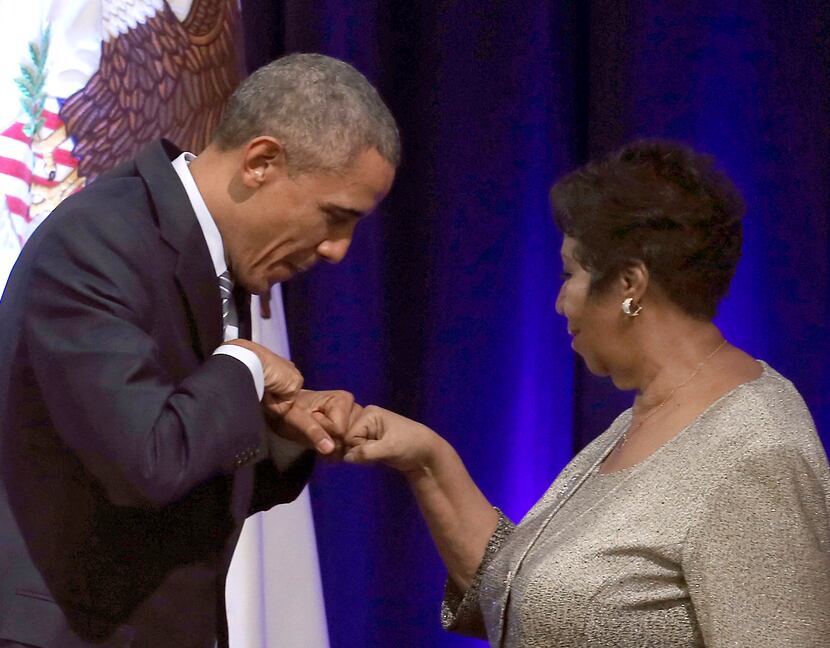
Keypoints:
pixel 318 419
pixel 282 379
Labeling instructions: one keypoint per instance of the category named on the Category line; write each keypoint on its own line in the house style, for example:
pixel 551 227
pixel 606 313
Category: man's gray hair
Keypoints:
pixel 322 110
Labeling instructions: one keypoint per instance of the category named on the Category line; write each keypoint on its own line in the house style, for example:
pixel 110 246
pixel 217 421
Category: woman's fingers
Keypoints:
pixel 367 425
pixel 372 451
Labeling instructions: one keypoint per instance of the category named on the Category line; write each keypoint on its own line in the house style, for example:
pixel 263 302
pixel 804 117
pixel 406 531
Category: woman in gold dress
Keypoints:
pixel 701 516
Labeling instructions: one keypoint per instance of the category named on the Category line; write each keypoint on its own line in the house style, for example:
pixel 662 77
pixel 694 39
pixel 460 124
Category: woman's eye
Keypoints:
pixel 564 276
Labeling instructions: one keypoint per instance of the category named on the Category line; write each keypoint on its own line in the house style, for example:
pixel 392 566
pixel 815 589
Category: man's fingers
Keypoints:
pixel 308 431
pixel 277 406
pixel 331 429
pixel 327 424
pixel 332 409
pixel 287 386
pixel 357 410
pixel 322 419
pixel 339 409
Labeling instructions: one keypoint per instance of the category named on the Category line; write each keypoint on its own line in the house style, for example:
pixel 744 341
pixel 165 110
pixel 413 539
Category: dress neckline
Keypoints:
pixel 765 372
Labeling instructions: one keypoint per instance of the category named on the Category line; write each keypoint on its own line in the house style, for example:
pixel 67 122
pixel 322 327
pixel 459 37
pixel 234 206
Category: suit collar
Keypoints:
pixel 173 211
pixel 180 229
pixel 213 238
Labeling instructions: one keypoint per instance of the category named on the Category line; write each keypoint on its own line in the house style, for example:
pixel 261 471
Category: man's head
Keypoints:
pixel 305 148
pixel 322 110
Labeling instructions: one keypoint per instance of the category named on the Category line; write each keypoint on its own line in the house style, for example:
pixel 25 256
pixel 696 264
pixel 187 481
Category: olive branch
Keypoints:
pixel 31 81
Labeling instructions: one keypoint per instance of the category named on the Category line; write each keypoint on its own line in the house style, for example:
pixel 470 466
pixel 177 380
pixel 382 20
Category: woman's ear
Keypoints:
pixel 634 280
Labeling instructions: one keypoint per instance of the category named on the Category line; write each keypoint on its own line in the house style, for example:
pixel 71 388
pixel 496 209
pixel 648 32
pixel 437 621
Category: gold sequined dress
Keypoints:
pixel 721 538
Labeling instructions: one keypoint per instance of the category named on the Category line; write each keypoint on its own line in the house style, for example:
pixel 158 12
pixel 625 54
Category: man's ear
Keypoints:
pixel 263 159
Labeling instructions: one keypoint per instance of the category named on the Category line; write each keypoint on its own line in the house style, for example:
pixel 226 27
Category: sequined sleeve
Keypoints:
pixel 757 562
pixel 460 610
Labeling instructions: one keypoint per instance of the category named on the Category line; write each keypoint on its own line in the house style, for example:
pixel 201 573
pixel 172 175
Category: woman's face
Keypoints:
pixel 594 321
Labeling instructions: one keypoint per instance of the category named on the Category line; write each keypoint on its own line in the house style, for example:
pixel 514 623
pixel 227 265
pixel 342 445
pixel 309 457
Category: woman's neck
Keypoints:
pixel 672 355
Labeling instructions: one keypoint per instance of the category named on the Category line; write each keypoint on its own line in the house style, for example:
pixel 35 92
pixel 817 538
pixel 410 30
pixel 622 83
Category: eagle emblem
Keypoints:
pixel 165 70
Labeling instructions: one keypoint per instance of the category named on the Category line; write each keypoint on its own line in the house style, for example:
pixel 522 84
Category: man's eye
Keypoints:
pixel 335 218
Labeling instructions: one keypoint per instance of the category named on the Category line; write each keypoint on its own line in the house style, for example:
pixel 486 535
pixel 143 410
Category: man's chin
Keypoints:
pixel 255 286
pixel 283 273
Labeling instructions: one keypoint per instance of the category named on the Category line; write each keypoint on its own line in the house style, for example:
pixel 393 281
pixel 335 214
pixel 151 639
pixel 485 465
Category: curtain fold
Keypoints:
pixel 444 309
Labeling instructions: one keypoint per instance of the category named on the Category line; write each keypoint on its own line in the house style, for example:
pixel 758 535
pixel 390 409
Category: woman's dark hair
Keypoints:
pixel 661 203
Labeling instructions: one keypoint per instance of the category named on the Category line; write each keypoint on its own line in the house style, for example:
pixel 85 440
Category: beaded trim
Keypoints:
pixel 461 608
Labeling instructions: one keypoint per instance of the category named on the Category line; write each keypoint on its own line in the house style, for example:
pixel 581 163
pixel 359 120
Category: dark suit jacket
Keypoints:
pixel 127 450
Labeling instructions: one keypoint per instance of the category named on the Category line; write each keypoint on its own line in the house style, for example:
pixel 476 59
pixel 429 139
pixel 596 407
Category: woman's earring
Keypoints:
pixel 629 309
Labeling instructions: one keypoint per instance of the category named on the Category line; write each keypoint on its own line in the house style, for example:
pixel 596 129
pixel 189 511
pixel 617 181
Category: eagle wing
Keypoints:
pixel 161 78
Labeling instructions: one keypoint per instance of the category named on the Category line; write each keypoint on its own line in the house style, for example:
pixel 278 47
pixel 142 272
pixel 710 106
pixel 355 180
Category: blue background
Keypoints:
pixel 444 310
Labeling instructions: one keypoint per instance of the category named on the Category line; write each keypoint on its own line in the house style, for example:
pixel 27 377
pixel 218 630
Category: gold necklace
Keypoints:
pixel 654 411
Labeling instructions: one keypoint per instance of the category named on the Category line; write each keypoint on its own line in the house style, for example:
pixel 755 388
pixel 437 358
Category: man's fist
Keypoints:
pixel 318 419
pixel 282 379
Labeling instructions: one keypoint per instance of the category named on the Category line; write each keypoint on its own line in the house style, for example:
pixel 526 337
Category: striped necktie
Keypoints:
pixel 226 292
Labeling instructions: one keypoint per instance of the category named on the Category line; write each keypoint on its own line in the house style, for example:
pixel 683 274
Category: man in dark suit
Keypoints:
pixel 138 427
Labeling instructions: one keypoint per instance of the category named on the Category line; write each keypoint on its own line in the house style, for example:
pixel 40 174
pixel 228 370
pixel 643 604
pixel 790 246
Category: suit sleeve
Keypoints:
pixel 273 486
pixel 757 561
pixel 88 329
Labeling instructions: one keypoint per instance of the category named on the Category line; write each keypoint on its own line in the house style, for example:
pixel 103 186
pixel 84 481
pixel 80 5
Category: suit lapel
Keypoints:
pixel 194 274
pixel 179 228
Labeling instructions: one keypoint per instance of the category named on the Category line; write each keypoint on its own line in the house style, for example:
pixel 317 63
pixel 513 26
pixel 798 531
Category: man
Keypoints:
pixel 134 441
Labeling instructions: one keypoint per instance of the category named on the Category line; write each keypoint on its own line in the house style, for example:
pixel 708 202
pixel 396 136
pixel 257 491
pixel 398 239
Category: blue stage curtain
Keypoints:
pixel 444 309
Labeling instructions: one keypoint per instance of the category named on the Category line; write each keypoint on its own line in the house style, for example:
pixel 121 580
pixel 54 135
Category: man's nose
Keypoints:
pixel 334 251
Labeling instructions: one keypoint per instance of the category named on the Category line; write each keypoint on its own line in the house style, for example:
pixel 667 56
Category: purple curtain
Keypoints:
pixel 444 309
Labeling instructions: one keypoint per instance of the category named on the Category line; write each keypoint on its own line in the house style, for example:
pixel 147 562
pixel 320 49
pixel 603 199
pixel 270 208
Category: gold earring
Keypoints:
pixel 627 307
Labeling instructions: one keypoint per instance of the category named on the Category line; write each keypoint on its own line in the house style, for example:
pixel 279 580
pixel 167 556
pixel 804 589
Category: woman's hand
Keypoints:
pixel 378 435
pixel 459 517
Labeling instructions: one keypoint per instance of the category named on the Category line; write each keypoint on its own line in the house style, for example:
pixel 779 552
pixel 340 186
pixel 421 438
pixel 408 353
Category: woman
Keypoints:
pixel 700 517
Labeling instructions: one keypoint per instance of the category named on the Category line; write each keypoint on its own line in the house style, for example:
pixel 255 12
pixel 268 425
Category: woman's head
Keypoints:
pixel 660 204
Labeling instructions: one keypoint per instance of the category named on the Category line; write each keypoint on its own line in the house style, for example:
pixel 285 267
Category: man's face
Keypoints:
pixel 291 222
